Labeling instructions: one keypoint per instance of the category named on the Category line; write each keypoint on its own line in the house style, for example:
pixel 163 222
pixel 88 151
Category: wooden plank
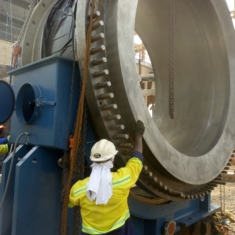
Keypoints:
pixel 228 177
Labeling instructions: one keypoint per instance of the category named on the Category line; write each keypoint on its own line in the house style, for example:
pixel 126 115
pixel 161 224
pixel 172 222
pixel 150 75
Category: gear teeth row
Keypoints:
pixel 213 184
pixel 229 164
pixel 103 91
pixel 205 190
pixel 154 182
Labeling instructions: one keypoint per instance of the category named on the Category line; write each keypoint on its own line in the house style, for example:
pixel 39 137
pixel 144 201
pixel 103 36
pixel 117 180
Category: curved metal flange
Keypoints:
pixel 31 44
pixel 189 151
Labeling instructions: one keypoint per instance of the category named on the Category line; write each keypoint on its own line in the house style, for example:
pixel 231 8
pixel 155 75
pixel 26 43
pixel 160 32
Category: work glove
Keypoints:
pixel 139 129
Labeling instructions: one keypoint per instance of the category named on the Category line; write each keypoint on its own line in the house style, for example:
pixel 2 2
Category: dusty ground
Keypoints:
pixel 227 201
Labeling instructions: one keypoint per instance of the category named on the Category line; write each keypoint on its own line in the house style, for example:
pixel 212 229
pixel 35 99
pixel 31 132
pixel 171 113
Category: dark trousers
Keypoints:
pixel 126 229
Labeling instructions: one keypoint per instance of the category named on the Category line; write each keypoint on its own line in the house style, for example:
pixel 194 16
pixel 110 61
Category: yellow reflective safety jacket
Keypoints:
pixel 3 149
pixel 100 219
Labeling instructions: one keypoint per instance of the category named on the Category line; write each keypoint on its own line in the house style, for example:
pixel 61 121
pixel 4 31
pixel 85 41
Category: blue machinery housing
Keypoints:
pixel 32 204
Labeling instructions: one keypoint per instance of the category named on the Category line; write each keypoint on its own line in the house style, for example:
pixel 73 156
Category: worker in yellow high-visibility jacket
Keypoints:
pixel 103 196
pixel 3 145
pixel 3 141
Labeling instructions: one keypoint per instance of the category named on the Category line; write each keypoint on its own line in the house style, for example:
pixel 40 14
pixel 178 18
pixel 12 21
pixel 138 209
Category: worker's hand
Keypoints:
pixel 139 129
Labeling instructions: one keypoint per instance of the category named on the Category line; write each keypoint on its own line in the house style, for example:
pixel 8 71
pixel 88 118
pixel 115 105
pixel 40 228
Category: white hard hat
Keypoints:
pixel 102 151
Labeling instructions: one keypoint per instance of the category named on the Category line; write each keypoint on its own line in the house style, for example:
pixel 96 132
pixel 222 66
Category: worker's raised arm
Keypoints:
pixel 139 131
pixel 134 164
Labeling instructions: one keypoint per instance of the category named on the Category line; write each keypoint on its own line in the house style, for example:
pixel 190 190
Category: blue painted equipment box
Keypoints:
pixel 47 94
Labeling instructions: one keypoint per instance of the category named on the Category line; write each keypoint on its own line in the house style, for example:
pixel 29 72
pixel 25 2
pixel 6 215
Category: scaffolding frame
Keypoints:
pixel 7 26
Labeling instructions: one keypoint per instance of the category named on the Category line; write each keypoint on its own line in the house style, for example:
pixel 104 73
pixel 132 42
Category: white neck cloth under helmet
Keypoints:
pixel 99 186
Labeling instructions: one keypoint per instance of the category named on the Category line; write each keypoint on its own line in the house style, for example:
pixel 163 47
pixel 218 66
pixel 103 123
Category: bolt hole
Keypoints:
pixel 33 22
pixel 43 5
pixel 101 103
pixel 27 43
pixel 34 160
pixel 190 218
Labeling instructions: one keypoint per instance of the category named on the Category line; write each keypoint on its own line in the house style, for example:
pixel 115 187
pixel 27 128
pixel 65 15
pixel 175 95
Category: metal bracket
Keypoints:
pixel 41 101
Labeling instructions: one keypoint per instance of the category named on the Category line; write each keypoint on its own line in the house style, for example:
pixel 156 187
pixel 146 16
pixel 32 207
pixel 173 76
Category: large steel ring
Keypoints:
pixel 195 146
pixel 31 47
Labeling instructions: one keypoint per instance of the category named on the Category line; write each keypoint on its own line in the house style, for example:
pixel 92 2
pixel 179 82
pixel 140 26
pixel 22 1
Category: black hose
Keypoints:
pixel 9 173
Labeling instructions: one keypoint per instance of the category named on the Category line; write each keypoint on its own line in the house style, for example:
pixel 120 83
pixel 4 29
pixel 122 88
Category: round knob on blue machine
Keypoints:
pixel 170 228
